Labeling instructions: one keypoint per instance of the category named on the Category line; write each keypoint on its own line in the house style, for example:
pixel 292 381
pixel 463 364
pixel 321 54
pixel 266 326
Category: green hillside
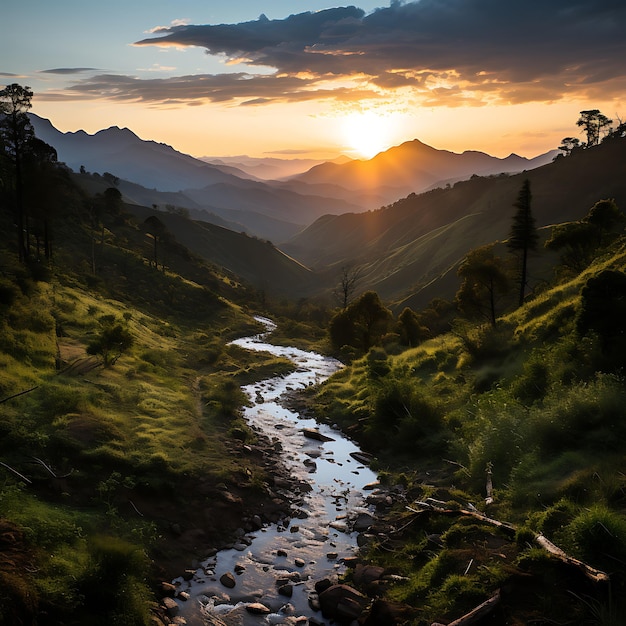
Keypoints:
pixel 122 451
pixel 408 246
pixel 522 423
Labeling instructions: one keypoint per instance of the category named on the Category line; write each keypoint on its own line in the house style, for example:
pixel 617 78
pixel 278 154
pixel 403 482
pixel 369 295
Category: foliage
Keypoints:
pixel 483 282
pixel 361 325
pixel 523 236
pixel 113 340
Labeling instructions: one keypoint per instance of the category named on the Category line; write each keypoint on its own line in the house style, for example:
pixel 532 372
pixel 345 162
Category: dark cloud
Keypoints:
pixel 252 89
pixel 443 52
pixel 68 70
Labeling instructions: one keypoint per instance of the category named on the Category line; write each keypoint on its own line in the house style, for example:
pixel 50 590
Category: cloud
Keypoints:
pixel 247 88
pixel 433 52
pixel 68 70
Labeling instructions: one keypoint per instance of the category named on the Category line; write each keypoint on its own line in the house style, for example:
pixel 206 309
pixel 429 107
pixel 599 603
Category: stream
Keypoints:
pixel 292 554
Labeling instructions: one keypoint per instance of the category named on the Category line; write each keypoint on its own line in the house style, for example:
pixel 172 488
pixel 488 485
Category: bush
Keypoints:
pixel 598 536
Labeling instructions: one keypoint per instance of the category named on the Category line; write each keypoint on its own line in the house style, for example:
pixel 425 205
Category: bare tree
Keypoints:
pixel 347 285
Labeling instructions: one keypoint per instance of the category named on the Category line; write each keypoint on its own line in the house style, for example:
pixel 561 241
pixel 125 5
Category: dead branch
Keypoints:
pixel 26 480
pixel 17 395
pixel 591 573
pixel 136 509
pixel 476 614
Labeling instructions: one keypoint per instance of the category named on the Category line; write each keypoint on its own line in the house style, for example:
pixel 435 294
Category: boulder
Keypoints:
pixel 256 608
pixel 312 433
pixel 170 606
pixel 342 603
pixel 228 580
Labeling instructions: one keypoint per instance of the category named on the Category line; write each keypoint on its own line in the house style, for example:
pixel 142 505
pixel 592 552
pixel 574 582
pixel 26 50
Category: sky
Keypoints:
pixel 315 78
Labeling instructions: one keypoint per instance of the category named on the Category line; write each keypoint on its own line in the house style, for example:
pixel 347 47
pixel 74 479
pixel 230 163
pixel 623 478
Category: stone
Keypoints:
pixel 183 595
pixel 312 433
pixel 366 574
pixel 228 580
pixel 362 522
pixel 322 585
pixel 256 608
pixel 299 562
pixel 342 602
pixel 286 590
pixel 171 607
pixel 167 589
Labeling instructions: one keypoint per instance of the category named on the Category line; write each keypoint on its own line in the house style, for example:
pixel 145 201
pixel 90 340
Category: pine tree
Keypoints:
pixel 523 236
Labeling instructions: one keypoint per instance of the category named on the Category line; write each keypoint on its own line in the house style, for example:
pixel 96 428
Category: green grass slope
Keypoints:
pixel 411 243
pixel 535 409
pixel 113 475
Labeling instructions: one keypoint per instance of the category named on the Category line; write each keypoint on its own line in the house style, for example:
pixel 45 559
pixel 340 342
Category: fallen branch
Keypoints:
pixel 49 469
pixel 476 614
pixel 506 527
pixel 592 573
pixel 26 480
pixel 136 509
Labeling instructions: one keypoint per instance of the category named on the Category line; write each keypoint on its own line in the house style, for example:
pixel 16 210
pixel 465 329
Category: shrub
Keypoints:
pixel 598 535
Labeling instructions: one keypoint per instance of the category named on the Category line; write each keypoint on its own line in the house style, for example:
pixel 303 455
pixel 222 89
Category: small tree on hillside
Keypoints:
pixel 362 324
pixel 523 236
pixel 113 340
pixel 347 285
pixel 484 281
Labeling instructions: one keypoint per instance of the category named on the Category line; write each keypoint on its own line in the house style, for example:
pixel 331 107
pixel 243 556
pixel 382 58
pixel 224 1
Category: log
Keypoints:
pixel 476 614
pixel 593 574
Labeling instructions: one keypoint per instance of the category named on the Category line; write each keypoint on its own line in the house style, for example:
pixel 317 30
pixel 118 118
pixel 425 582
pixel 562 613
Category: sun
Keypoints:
pixel 366 133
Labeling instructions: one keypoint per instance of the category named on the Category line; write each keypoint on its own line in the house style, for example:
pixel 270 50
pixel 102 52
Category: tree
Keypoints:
pixel 113 340
pixel 157 230
pixel 44 184
pixel 523 235
pixel 411 331
pixel 603 308
pixel 575 242
pixel 362 324
pixel 578 241
pixel 347 285
pixel 593 123
pixel 484 281
pixel 569 144
pixel 15 132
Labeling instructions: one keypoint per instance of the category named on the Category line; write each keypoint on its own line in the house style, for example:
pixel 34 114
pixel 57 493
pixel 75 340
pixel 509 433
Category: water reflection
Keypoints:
pixel 278 565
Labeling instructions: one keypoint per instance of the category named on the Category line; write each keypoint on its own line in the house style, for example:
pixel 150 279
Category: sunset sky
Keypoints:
pixel 294 78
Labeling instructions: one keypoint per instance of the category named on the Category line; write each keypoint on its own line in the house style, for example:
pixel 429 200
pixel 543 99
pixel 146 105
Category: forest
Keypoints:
pixel 498 415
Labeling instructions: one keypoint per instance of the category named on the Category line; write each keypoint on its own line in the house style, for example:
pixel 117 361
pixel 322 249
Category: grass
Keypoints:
pixel 535 403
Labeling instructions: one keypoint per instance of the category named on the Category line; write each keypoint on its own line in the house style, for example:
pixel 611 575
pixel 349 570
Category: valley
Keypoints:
pixel 492 421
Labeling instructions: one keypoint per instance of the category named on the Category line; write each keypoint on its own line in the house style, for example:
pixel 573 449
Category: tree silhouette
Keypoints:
pixel 593 123
pixel 484 281
pixel 15 132
pixel 523 235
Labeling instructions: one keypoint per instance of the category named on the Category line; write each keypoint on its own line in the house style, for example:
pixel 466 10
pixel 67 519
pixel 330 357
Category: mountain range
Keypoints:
pixel 270 209
pixel 406 249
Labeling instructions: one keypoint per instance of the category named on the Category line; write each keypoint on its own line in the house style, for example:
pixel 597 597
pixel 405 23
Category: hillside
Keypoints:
pixel 418 241
pixel 501 447
pixel 123 453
